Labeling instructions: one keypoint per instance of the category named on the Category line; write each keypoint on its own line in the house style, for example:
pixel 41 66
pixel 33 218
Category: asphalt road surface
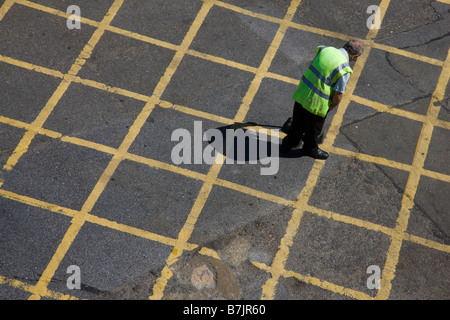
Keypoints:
pixel 108 189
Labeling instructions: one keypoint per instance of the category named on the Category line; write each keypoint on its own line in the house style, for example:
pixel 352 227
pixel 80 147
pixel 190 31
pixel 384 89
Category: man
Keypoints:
pixel 320 91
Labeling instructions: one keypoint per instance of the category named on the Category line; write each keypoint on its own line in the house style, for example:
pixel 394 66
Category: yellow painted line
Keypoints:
pixel 169 241
pixel 230 63
pixel 41 286
pixel 389 163
pixel 408 54
pixel 255 193
pixel 204 192
pixel 55 12
pixel 322 32
pixel 427 243
pixel 350 220
pixel 14 123
pixel 165 104
pixel 79 215
pixel 248 12
pixel 399 112
pixel 90 218
pixel 133 230
pixel 31 67
pixel 111 89
pixel 154 99
pixel 165 166
pixel 233 186
pixel 88 144
pixel 166 274
pixel 266 62
pixel 361 156
pixel 16 284
pixel 30 288
pixel 152 163
pixel 220 182
pixel 333 131
pixel 140 37
pixel 108 150
pixel 222 61
pixel 195 175
pixel 183 48
pixel 148 108
pixel 186 230
pixel 391 232
pixel 23 145
pixel 313 280
pixel 5 8
pixel 384 4
pixel 444 1
pixel 370 159
pixel 96 24
pixel 79 219
pixel 420 155
pixel 291 24
pixel 196 113
pixel 436 175
pixel 71 78
pixel 279 261
pixel 388 109
pixel 378 106
pixel 277 269
pixel 282 78
pixel 144 38
pixel 115 90
pixel 443 124
pixel 38 203
pixel 206 251
pixel 262 71
pixel 99 221
pixel 317 283
pixel 209 252
pixel 328 286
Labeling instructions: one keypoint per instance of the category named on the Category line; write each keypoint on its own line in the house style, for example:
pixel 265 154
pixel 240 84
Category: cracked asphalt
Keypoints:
pixel 87 176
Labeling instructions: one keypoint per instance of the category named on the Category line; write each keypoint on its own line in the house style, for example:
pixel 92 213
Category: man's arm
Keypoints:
pixel 338 91
pixel 335 99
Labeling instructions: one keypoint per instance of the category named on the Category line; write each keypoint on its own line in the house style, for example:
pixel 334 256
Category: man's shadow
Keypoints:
pixel 244 142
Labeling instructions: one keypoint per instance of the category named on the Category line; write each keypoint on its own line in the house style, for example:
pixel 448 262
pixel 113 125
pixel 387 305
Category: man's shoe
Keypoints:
pixel 316 154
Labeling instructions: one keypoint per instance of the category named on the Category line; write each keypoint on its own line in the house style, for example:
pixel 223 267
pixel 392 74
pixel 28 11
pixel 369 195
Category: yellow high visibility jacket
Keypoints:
pixel 316 86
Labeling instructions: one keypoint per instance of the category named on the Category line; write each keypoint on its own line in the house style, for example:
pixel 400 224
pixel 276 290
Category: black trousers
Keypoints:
pixel 306 126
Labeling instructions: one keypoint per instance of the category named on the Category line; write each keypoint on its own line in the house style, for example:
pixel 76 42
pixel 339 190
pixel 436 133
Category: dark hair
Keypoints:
pixel 354 47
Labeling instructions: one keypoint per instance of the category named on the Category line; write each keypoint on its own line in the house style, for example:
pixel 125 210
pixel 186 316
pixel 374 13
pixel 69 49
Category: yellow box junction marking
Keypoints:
pixel 413 181
pixel 398 234
pixel 62 88
pixel 278 264
pixel 187 229
pixel 79 219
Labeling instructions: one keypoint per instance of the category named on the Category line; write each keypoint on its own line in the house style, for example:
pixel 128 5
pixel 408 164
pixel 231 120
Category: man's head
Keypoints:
pixel 354 49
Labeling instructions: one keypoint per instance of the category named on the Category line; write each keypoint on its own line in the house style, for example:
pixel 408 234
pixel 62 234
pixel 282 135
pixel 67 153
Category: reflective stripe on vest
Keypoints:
pixel 315 88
